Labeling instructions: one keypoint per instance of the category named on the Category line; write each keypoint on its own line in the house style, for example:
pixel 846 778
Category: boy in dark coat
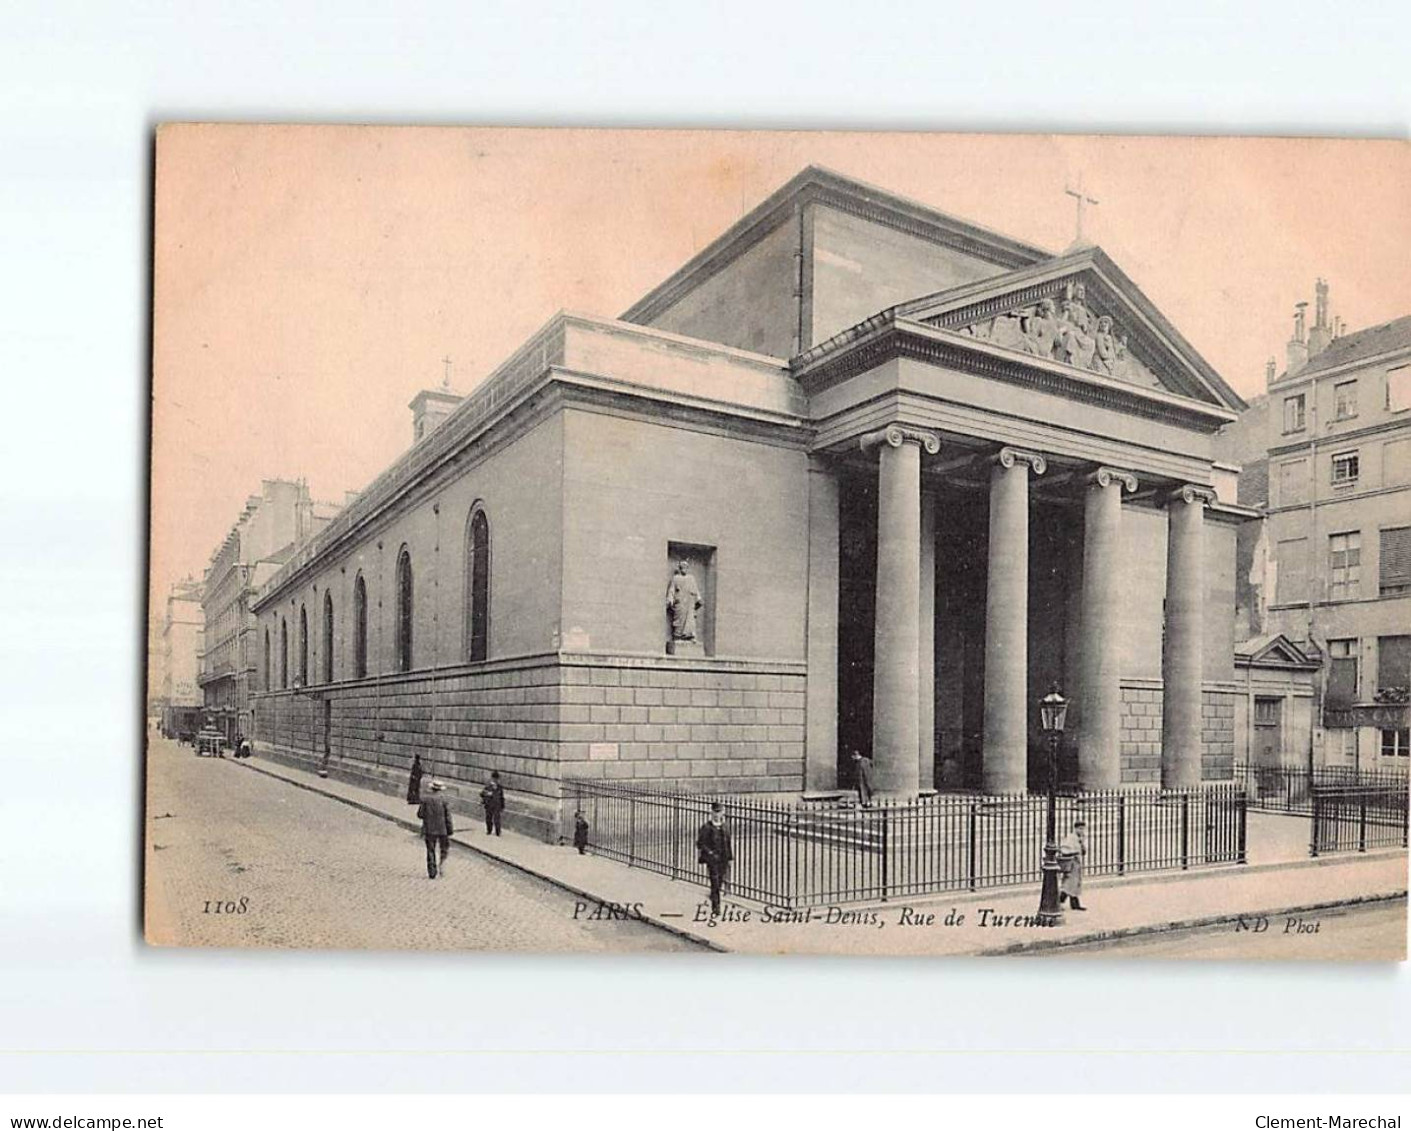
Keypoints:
pixel 580 832
pixel 414 782
pixel 493 798
pixel 714 851
pixel 436 828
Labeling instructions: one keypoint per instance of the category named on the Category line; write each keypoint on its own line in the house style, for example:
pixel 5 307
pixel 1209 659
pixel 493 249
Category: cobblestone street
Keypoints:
pixel 241 859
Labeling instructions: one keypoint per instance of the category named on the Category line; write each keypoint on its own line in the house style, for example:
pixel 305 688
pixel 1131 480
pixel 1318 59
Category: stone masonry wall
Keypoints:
pixel 1141 735
pixel 702 725
pixel 718 731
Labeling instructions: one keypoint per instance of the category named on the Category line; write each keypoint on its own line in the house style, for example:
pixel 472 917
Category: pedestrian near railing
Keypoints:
pixel 794 854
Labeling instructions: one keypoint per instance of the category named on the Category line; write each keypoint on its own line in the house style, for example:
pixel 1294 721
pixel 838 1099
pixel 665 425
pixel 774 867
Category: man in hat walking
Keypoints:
pixel 1071 851
pixel 493 798
pixel 713 850
pixel 862 777
pixel 436 828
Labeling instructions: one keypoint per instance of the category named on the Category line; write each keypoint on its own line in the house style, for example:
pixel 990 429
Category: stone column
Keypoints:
pixel 1100 664
pixel 1183 659
pixel 821 737
pixel 896 711
pixel 926 646
pixel 1006 749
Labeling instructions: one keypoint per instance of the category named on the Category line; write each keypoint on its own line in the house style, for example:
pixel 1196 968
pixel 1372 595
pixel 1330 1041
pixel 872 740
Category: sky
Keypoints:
pixel 310 280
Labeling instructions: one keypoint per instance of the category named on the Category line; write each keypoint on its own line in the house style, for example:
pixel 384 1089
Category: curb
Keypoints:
pixel 1114 933
pixel 1009 950
pixel 412 826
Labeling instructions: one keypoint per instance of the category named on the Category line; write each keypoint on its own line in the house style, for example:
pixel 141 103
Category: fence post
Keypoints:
pixel 1121 834
pixel 1317 808
pixel 886 821
pixel 1242 799
pixel 1185 831
pixel 970 853
pixel 1361 820
pixel 631 831
pixel 675 838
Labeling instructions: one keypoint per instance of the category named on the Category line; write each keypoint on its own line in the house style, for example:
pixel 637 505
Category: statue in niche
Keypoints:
pixel 1041 329
pixel 683 601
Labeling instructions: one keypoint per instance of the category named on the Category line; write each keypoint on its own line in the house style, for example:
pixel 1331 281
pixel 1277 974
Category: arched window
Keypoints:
pixel 303 647
pixel 283 652
pixel 477 586
pixel 359 628
pixel 327 636
pixel 269 672
pixel 404 611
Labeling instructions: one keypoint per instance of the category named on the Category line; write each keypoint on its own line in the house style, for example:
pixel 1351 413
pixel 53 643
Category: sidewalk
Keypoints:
pixel 962 923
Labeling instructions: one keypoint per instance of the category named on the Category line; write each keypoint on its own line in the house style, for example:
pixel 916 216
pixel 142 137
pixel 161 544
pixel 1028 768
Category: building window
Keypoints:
pixel 477 586
pixel 303 647
pixel 283 652
pixel 1393 669
pixel 1293 413
pixel 404 611
pixel 327 636
pixel 1399 388
pixel 1291 578
pixel 359 628
pixel 1342 673
pixel 1396 462
pixel 269 672
pixel 1266 712
pixel 1346 467
pixel 1293 482
pixel 1394 564
pixel 1344 566
pixel 1395 742
pixel 1345 400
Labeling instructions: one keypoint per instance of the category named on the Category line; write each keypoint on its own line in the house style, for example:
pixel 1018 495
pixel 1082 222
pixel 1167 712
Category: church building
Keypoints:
pixel 859 476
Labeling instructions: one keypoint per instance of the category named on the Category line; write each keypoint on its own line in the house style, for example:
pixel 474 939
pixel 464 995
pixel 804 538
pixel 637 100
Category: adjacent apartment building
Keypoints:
pixel 179 659
pixel 1331 567
pixel 272 524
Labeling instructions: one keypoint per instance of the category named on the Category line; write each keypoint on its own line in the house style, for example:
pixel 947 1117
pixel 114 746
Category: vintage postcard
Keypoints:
pixel 788 543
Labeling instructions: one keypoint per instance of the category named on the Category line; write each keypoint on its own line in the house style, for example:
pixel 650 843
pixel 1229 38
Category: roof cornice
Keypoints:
pixel 886 336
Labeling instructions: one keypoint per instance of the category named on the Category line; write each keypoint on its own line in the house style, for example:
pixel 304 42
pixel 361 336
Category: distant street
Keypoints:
pixel 240 859
pixel 1364 932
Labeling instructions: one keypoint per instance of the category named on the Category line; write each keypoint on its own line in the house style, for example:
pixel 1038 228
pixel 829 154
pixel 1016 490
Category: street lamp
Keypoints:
pixel 1053 711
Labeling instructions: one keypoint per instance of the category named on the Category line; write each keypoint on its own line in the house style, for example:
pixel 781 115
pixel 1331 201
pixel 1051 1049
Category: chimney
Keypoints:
pixel 1270 372
pixel 1298 344
pixel 1321 333
pixel 430 407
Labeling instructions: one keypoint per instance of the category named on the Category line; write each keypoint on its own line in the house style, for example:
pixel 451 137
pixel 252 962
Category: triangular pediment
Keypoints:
pixel 1276 649
pixel 1080 311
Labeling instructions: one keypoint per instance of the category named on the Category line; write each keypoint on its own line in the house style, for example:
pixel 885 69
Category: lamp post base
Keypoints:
pixel 1050 910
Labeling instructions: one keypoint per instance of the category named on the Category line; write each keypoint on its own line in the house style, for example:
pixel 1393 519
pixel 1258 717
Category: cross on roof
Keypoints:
pixel 446 380
pixel 1079 199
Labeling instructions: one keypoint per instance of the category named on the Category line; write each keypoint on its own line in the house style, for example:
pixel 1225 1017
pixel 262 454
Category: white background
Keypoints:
pixel 81 86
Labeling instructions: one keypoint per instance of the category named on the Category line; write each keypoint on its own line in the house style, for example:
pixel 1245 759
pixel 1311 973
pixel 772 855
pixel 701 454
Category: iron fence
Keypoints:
pixel 1292 789
pixel 1354 817
pixel 791 854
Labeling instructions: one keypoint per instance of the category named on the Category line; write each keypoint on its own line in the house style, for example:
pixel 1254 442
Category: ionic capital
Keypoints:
pixel 1107 476
pixel 895 435
pixel 1008 457
pixel 1192 493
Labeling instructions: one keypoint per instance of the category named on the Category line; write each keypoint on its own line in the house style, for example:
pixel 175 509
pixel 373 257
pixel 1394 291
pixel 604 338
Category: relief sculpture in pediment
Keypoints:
pixel 1069 333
